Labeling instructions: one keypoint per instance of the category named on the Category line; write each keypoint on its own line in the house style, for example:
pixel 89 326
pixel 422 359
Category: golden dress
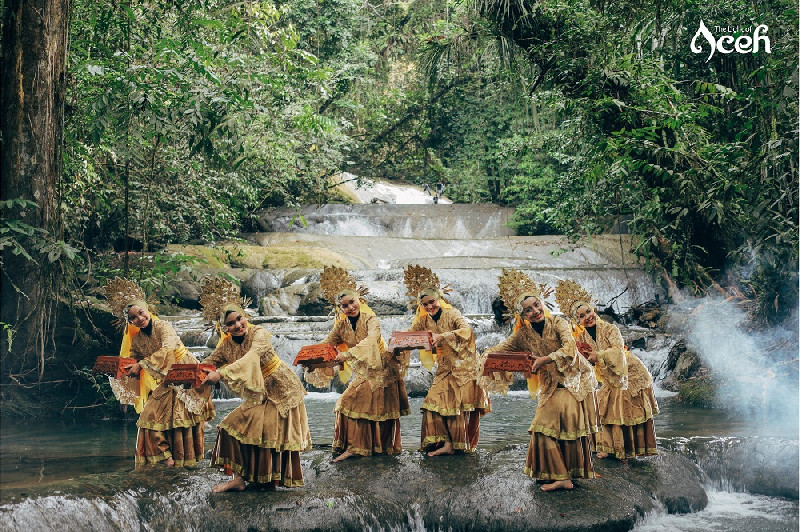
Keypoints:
pixel 455 402
pixel 368 412
pixel 626 403
pixel 261 439
pixel 167 427
pixel 566 414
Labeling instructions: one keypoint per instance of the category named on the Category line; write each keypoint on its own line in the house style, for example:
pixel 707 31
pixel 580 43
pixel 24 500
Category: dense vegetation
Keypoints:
pixel 182 119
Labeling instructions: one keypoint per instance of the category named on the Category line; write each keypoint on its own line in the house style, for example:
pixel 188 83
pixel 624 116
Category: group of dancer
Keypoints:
pixel 260 440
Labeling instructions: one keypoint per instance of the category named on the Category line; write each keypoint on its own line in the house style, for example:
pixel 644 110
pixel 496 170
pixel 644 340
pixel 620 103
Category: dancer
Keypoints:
pixel 368 412
pixel 261 439
pixel 560 446
pixel 626 403
pixel 455 402
pixel 171 419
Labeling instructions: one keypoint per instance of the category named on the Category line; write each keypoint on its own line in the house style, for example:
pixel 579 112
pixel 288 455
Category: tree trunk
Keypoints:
pixel 35 34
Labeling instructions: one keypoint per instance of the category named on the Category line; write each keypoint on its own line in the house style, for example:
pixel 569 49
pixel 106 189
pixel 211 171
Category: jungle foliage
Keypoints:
pixel 183 118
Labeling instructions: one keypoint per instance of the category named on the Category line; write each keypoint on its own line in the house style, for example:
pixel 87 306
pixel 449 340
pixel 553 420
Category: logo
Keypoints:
pixel 743 44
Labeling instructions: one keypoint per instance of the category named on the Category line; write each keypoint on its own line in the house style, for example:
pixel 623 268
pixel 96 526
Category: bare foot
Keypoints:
pixel 235 484
pixel 601 455
pixel 558 485
pixel 169 462
pixel 344 456
pixel 445 449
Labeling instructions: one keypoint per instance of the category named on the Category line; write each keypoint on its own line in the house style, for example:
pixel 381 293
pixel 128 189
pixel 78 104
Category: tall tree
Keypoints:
pixel 35 37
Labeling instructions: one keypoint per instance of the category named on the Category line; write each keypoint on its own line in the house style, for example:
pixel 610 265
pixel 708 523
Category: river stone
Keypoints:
pixel 261 283
pixel 418 381
pixel 483 491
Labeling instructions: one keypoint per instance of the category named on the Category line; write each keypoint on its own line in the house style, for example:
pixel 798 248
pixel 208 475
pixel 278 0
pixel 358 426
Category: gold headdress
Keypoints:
pixel 570 296
pixel 217 293
pixel 516 286
pixel 418 279
pixel 121 293
pixel 333 281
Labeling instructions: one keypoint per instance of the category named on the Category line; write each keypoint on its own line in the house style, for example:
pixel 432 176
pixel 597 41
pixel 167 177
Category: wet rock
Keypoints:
pixel 766 466
pixel 483 491
pixel 418 381
pixel 698 392
pixel 261 283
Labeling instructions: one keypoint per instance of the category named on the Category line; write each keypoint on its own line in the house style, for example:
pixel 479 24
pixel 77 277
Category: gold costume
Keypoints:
pixel 261 439
pixel 368 412
pixel 167 429
pixel 455 402
pixel 566 410
pixel 626 402
pixel 171 419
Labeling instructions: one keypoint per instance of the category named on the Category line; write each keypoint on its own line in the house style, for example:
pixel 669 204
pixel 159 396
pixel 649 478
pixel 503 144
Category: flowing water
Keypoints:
pixel 750 462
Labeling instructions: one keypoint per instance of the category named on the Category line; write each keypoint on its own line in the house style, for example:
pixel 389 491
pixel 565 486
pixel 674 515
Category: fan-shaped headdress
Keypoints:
pixel 515 286
pixel 420 282
pixel 121 294
pixel 570 296
pixel 336 282
pixel 217 297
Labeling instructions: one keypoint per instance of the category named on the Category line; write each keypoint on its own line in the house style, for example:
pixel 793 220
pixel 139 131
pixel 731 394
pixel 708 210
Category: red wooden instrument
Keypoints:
pixel 317 356
pixel 583 348
pixel 520 362
pixel 112 365
pixel 188 375
pixel 402 341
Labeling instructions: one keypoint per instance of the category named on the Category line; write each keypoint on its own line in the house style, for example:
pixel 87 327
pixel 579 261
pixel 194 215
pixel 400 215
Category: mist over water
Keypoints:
pixel 757 371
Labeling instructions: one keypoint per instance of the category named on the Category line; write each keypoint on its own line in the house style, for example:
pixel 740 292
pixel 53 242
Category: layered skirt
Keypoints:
pixel 628 429
pixel 451 413
pixel 167 429
pixel 259 444
pixel 368 421
pixel 560 446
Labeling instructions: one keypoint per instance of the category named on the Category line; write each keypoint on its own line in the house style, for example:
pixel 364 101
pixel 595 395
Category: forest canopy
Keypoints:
pixel 183 119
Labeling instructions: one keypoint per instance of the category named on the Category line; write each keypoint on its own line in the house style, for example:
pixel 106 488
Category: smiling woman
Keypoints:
pixel 171 420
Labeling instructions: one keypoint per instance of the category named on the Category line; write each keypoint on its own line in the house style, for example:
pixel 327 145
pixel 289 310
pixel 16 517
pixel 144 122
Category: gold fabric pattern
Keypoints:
pixel 612 364
pixel 569 368
pixel 243 364
pixel 457 365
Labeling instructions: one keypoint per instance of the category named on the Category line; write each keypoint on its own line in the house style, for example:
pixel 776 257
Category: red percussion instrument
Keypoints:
pixel 113 366
pixel 317 356
pixel 583 347
pixel 519 362
pixel 402 341
pixel 188 375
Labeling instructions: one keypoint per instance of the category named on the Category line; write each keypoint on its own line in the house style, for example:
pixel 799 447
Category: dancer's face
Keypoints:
pixel 586 316
pixel 138 316
pixel 350 306
pixel 235 323
pixel 532 309
pixel 430 304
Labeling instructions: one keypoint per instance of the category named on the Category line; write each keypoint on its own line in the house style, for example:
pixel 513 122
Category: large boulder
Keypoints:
pixel 483 491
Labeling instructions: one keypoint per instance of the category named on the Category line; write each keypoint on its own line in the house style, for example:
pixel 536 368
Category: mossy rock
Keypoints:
pixel 698 392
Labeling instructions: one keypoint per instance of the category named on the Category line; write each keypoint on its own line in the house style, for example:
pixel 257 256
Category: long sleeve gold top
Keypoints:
pixel 254 371
pixel 456 355
pixel 569 369
pixel 160 349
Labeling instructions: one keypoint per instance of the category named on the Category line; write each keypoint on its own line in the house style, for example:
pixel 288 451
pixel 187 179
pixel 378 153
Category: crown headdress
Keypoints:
pixel 418 278
pixel 215 293
pixel 333 280
pixel 120 293
pixel 570 295
pixel 513 283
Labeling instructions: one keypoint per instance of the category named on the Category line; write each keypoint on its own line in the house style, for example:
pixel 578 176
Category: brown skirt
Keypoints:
pixel 462 430
pixel 627 441
pixel 184 445
pixel 366 437
pixel 552 459
pixel 257 464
